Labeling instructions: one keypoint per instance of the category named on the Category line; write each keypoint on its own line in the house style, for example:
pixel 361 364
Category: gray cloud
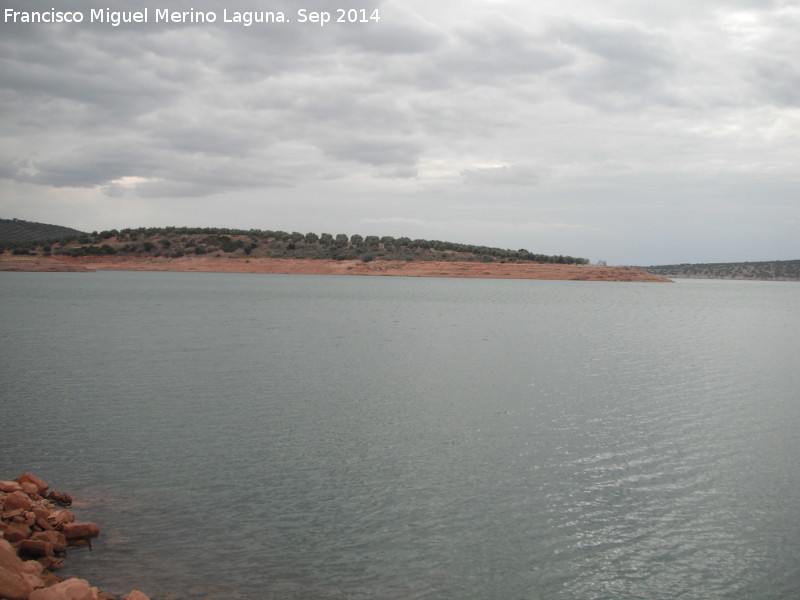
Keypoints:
pixel 618 64
pixel 86 166
pixel 495 48
pixel 406 33
pixel 376 151
pixel 504 175
pixel 567 116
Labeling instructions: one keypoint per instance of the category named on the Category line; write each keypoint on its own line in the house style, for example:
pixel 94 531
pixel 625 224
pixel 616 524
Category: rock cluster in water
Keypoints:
pixel 35 530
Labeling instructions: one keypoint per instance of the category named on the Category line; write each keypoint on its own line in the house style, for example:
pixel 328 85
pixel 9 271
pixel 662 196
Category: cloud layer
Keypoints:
pixel 632 133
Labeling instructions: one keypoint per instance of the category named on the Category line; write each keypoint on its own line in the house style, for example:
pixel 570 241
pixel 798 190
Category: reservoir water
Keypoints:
pixel 310 437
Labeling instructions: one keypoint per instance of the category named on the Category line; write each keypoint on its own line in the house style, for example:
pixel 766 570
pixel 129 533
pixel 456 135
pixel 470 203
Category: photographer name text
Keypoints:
pixel 247 18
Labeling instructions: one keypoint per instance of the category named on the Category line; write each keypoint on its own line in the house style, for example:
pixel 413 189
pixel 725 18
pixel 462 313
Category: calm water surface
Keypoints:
pixel 310 437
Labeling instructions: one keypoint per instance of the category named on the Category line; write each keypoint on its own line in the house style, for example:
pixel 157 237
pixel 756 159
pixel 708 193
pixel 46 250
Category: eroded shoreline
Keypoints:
pixel 206 264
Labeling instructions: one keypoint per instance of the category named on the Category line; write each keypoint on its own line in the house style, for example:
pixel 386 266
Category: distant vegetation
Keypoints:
pixel 775 270
pixel 174 242
pixel 17 230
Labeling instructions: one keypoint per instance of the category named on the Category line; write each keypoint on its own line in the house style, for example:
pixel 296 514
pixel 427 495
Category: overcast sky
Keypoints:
pixel 637 132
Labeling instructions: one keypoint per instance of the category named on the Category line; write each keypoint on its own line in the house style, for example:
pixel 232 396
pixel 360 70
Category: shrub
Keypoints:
pixel 345 255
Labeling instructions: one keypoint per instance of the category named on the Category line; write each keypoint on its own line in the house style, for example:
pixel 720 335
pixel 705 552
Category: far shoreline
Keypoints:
pixel 206 264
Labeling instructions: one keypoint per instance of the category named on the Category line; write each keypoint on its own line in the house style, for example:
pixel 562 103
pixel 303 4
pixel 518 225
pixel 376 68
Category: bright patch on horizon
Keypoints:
pixel 131 181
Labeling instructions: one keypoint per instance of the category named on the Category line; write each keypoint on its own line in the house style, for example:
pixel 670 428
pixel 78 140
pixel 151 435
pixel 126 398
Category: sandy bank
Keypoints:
pixel 37 263
pixel 329 267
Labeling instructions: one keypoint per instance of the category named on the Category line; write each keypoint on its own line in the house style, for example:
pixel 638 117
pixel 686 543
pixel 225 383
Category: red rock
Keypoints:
pixel 12 583
pixel 33 573
pixel 43 524
pixel 52 563
pixel 63 499
pixel 71 589
pixel 32 567
pixel 55 538
pixel 17 512
pixel 40 484
pixel 10 486
pixel 29 488
pixel 8 557
pixel 73 531
pixel 35 548
pixel 16 532
pixel 17 500
pixel 14 586
pixel 58 518
pixel 41 512
pixel 48 577
pixel 136 595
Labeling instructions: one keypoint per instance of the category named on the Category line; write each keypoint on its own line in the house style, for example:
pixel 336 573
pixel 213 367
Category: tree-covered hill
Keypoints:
pixel 176 242
pixel 775 270
pixel 17 230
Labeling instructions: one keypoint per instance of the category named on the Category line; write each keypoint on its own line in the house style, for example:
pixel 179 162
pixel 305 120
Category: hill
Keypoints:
pixel 775 270
pixel 17 230
pixel 177 242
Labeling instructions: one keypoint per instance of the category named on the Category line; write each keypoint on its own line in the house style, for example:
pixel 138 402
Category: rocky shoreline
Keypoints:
pixel 36 529
pixel 397 268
